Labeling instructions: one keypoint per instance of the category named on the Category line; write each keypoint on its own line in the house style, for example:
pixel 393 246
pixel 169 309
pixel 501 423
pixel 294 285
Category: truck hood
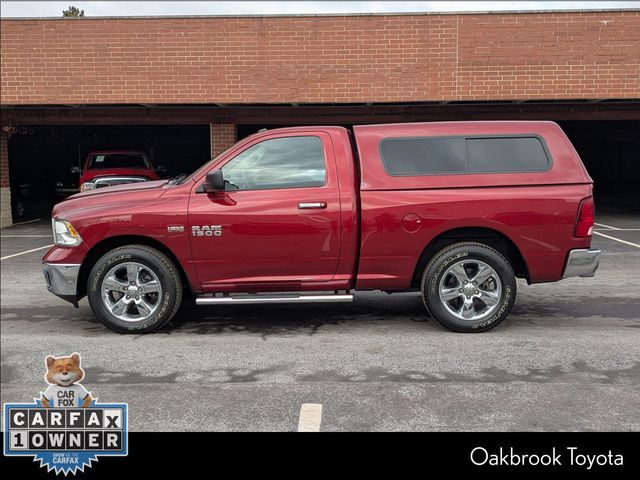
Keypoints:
pixel 108 200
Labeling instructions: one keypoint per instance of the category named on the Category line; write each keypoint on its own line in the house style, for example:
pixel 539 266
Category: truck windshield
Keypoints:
pixel 204 167
pixel 118 160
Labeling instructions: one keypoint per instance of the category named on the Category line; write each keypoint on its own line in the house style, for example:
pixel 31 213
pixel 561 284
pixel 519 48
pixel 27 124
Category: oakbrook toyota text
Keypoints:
pixel 455 210
pixel 572 456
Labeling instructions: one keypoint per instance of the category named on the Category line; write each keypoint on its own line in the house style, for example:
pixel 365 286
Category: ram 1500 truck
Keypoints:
pixel 454 210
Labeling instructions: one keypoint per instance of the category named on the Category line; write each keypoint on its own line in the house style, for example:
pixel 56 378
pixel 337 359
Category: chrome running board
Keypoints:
pixel 272 298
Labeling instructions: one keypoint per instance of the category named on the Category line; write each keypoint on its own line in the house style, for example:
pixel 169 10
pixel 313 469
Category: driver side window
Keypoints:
pixel 288 162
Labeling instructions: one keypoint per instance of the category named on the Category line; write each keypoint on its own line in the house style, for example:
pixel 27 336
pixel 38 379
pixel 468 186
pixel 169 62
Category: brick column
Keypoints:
pixel 223 135
pixel 5 191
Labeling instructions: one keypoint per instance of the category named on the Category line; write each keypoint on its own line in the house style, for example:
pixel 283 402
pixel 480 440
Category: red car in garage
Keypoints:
pixel 116 167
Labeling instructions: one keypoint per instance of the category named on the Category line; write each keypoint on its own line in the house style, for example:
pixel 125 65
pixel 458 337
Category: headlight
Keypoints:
pixel 64 234
pixel 87 186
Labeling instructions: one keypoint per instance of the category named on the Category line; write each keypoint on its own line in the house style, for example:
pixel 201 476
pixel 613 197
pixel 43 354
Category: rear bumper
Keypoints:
pixel 62 280
pixel 582 263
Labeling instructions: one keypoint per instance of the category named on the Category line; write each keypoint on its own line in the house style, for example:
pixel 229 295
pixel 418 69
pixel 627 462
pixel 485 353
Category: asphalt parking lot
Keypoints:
pixel 567 358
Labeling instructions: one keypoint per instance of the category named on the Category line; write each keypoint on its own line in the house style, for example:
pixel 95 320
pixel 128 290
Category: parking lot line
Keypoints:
pixel 28 221
pixel 25 236
pixel 617 240
pixel 310 417
pixel 606 226
pixel 25 252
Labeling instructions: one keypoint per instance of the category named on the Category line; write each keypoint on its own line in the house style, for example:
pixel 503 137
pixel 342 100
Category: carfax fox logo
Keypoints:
pixel 63 376
pixel 65 429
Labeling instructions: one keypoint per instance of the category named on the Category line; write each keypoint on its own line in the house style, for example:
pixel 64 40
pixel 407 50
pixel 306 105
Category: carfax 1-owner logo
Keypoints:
pixel 65 429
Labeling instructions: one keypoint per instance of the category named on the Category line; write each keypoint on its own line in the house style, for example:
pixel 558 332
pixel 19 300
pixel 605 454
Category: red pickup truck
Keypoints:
pixel 115 167
pixel 454 210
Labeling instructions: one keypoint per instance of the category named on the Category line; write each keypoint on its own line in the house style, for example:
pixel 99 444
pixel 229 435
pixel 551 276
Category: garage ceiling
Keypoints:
pixel 293 114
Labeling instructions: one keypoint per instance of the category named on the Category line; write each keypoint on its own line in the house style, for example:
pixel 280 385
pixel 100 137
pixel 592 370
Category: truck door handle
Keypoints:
pixel 311 205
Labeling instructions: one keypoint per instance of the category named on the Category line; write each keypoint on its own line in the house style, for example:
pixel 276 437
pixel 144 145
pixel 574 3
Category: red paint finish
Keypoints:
pixel 139 210
pixel 567 167
pixel 411 223
pixel 537 211
pixel 371 229
pixel 267 242
pixel 265 238
pixel 539 220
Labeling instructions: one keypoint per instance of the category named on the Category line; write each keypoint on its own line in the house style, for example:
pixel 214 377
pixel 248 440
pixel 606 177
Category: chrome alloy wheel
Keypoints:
pixel 470 290
pixel 131 291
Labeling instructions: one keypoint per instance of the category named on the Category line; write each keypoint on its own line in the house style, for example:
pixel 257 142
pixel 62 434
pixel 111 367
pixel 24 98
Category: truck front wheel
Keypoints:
pixel 469 287
pixel 134 289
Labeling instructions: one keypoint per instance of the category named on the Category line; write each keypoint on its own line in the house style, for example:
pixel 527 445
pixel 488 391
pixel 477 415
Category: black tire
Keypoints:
pixel 438 267
pixel 168 276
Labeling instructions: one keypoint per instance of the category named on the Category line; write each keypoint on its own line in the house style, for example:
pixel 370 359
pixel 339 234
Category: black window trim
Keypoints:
pixel 324 157
pixel 466 154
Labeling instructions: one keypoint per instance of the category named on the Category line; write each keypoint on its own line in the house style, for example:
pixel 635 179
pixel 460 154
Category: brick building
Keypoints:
pixel 187 87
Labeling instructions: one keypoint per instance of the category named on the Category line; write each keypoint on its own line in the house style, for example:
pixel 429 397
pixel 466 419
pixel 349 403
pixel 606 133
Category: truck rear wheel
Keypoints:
pixel 134 289
pixel 469 287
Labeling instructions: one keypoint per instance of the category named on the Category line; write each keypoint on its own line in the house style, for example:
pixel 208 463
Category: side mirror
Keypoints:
pixel 214 182
pixel 76 170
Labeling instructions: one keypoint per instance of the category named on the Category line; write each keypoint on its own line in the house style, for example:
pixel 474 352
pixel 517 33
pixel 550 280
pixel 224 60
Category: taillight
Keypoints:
pixel 586 218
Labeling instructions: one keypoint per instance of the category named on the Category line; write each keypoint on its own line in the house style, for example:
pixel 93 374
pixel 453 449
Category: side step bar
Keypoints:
pixel 259 298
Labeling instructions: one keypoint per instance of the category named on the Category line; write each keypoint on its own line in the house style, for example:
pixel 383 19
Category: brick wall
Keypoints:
pixel 223 135
pixel 379 58
pixel 5 193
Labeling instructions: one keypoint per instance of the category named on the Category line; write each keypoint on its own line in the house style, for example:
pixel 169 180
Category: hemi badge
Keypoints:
pixel 175 228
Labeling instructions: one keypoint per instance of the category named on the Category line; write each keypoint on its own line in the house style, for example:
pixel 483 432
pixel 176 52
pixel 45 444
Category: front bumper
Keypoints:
pixel 62 280
pixel 582 263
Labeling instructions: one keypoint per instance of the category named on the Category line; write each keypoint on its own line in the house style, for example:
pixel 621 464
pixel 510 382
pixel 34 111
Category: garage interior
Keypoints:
pixel 47 142
pixel 610 150
pixel 41 156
